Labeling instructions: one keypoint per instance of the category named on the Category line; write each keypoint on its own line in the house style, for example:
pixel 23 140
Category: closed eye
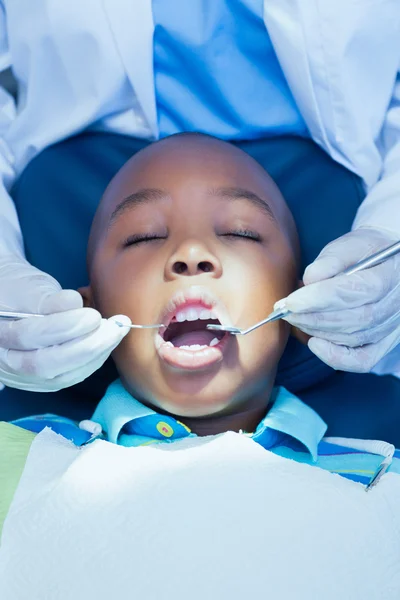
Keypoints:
pixel 140 238
pixel 243 233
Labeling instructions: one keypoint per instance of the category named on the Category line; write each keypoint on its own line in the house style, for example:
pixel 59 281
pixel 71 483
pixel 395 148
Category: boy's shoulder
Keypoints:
pixel 362 461
pixel 362 451
pixel 64 426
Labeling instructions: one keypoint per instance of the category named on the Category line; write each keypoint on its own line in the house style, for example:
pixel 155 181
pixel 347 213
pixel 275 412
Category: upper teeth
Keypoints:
pixel 193 313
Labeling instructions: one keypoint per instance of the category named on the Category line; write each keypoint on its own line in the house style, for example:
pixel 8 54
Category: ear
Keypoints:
pixel 86 293
pixel 294 331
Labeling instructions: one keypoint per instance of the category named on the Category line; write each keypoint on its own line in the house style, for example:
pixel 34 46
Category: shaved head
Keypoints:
pixel 184 155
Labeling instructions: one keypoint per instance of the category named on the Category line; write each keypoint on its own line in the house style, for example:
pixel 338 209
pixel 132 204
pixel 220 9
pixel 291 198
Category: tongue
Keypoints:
pixel 193 338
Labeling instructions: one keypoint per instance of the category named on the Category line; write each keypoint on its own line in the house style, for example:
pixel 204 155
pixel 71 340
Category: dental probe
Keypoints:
pixel 5 314
pixel 279 313
pixel 134 326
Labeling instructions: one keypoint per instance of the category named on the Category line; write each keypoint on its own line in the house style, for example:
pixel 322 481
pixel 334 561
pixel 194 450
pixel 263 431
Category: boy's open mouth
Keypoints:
pixel 185 342
pixel 192 334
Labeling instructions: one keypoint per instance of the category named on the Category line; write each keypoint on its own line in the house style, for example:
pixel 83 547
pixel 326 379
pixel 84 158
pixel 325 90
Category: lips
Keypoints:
pixel 184 342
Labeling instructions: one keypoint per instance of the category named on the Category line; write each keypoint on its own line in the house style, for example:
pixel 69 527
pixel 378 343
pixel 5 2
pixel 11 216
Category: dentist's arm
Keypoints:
pixel 70 342
pixel 354 320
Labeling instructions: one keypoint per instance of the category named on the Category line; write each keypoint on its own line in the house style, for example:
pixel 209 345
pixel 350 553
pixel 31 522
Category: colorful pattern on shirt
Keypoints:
pixel 290 429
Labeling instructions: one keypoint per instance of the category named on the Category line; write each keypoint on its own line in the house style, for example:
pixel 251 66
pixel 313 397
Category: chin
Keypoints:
pixel 192 400
pixel 181 395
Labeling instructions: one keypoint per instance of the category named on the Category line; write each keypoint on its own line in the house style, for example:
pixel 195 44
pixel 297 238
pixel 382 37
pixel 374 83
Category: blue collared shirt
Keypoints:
pixel 216 71
pixel 290 429
pixel 127 422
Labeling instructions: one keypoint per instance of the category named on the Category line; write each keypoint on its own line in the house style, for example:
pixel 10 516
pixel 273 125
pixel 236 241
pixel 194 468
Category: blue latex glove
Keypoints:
pixel 353 320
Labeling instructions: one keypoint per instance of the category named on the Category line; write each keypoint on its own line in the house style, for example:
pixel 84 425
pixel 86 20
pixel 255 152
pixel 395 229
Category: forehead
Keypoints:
pixel 187 168
pixel 189 165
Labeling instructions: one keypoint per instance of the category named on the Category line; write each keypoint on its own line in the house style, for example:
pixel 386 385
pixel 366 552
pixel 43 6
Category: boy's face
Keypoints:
pixel 193 229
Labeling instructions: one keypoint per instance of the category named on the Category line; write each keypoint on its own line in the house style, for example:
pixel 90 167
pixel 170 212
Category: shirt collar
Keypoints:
pixel 287 415
pixel 116 409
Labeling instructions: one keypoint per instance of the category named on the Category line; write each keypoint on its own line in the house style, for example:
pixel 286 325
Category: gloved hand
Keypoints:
pixel 354 320
pixel 56 351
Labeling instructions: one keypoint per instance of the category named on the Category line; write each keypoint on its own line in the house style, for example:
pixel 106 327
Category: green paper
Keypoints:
pixel 15 444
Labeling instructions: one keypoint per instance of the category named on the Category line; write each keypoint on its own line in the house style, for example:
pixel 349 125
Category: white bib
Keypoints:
pixel 202 519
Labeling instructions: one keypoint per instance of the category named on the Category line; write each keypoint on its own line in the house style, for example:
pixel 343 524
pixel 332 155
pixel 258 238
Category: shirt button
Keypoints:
pixel 165 429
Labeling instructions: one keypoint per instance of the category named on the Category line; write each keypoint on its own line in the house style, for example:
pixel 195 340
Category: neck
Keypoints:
pixel 244 416
pixel 247 421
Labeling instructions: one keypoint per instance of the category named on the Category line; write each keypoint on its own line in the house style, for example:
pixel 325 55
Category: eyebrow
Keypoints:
pixel 149 195
pixel 144 196
pixel 237 193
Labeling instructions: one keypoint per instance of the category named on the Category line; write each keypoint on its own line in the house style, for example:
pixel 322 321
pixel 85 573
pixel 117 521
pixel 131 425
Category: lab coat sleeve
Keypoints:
pixel 10 231
pixel 381 207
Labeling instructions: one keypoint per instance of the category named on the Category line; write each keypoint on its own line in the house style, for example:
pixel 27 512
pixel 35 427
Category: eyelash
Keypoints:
pixel 135 239
pixel 140 238
pixel 244 233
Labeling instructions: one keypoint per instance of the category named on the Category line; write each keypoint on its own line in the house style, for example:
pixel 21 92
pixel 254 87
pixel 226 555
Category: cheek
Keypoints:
pixel 261 350
pixel 264 279
pixel 277 272
pixel 260 279
pixel 123 288
pixel 134 358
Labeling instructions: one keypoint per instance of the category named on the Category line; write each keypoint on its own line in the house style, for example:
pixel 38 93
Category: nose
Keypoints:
pixel 192 258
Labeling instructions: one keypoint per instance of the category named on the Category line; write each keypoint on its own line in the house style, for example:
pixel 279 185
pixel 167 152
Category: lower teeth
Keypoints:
pixel 213 342
pixel 194 347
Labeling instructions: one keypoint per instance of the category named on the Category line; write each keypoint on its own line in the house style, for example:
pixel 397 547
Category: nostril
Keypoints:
pixel 187 268
pixel 205 266
pixel 179 267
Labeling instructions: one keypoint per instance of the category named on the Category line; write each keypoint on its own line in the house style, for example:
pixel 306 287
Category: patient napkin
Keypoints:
pixel 201 519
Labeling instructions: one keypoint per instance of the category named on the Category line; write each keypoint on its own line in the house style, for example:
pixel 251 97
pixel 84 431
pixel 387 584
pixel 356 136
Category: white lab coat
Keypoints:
pixel 341 59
